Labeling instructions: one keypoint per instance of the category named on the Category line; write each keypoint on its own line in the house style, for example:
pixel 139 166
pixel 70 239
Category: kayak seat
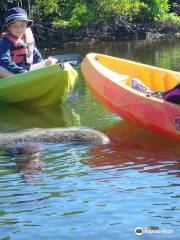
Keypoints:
pixel 113 75
pixel 117 77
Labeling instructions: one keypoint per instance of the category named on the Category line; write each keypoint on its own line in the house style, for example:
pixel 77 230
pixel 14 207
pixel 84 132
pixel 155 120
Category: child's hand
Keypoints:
pixel 50 61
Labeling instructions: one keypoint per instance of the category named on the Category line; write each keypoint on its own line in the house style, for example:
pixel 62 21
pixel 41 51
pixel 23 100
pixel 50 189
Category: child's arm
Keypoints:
pixel 5 58
pixel 37 56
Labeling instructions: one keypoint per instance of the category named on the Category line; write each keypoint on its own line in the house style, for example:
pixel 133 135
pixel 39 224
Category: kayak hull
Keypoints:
pixel 47 86
pixel 109 79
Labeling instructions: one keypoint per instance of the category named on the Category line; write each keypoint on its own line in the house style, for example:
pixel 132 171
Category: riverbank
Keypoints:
pixel 115 28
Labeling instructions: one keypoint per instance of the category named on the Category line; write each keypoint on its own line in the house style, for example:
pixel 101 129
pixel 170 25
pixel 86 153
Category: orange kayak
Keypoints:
pixel 109 78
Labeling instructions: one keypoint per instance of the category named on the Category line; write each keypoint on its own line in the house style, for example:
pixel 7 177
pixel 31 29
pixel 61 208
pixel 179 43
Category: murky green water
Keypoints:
pixel 100 192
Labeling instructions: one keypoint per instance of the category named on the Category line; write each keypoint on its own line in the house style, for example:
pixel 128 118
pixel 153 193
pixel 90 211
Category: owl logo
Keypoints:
pixel 176 122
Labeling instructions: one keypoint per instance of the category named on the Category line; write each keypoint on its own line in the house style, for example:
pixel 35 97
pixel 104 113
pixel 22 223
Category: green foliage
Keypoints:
pixel 46 7
pixel 171 18
pixel 76 13
pixel 85 11
pixel 121 6
pixel 154 9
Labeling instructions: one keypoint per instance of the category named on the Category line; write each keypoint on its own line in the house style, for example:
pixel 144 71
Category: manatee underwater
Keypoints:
pixel 25 146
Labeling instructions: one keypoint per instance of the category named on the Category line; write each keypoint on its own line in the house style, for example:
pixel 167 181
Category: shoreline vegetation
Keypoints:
pixel 79 22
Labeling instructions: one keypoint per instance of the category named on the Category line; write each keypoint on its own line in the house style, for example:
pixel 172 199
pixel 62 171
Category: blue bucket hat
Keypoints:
pixel 15 14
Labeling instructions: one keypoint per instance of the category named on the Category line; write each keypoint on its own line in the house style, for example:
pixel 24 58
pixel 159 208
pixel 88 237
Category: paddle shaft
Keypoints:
pixel 73 59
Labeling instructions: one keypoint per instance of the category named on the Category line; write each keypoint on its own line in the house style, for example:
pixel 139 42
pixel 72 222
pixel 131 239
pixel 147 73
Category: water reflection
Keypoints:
pixel 158 52
pixel 133 148
pixel 13 118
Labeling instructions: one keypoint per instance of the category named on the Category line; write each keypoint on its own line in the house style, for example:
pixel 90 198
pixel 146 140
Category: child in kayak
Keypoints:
pixel 18 52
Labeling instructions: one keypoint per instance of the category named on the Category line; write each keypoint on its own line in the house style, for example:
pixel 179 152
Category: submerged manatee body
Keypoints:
pixel 57 135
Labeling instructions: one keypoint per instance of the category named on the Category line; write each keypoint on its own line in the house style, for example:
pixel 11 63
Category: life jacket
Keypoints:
pixel 23 48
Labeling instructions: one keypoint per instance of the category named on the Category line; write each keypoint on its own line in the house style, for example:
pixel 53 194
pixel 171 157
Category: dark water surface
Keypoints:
pixel 99 192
